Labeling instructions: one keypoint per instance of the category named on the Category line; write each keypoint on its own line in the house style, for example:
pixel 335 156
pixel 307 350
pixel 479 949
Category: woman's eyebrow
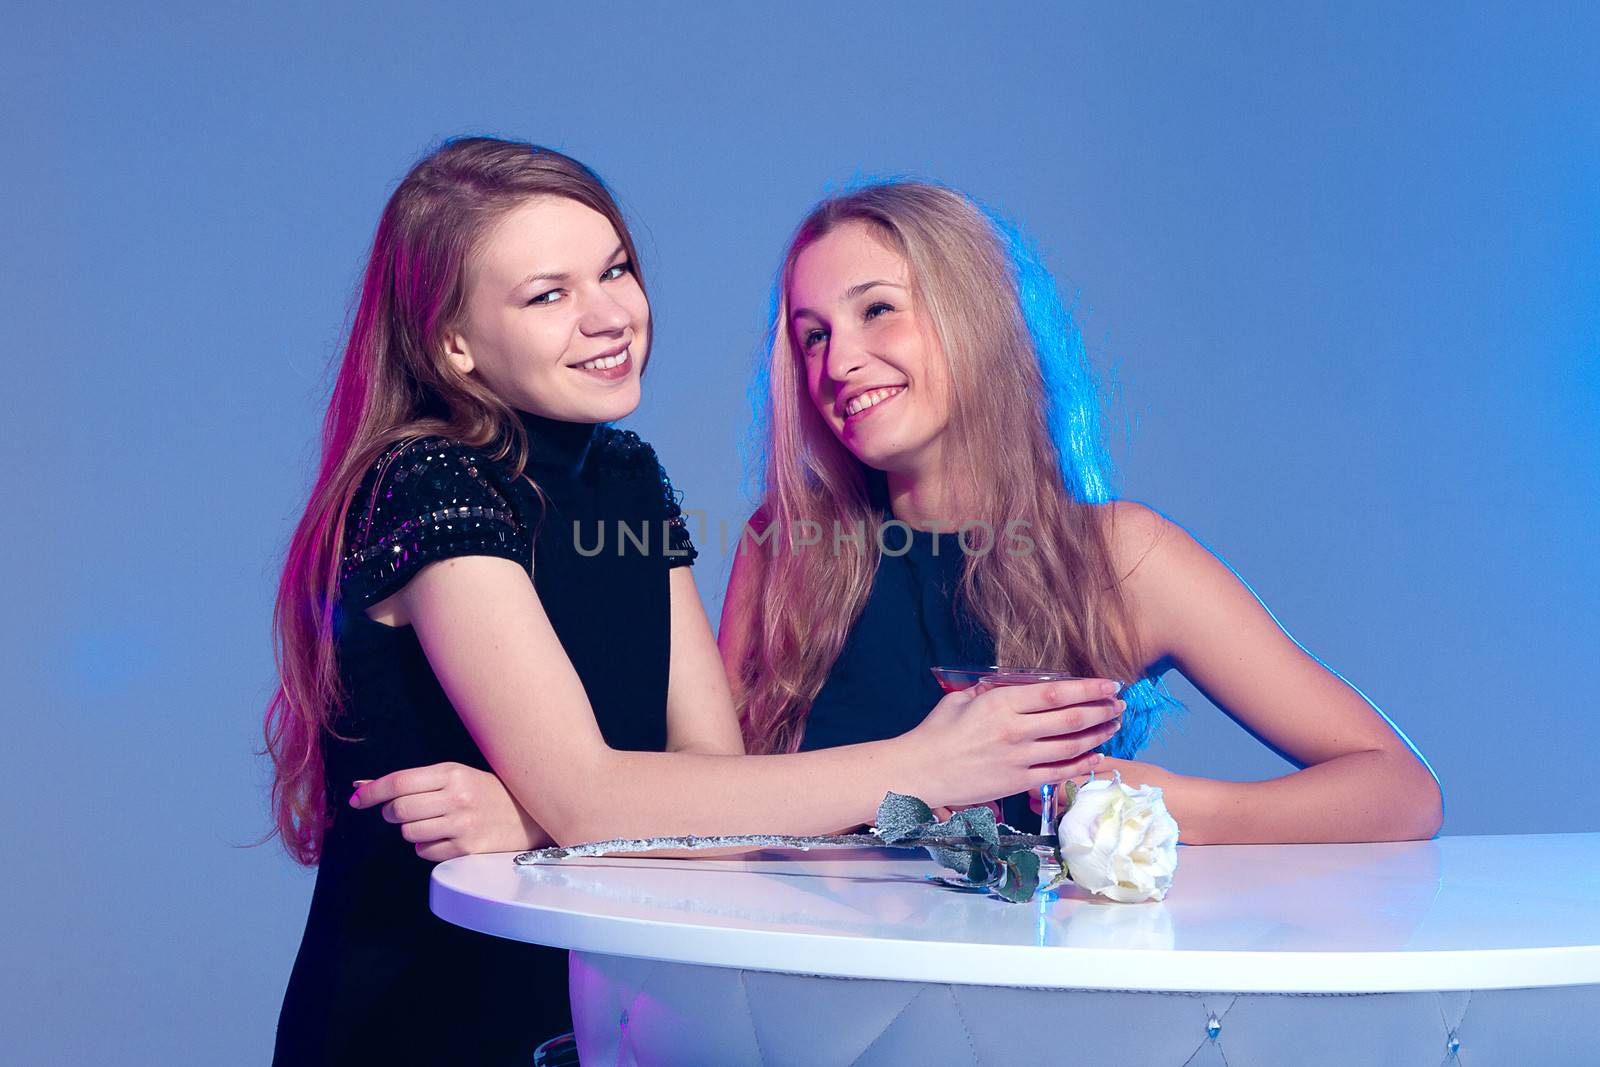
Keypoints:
pixel 861 287
pixel 543 276
pixel 560 275
pixel 849 294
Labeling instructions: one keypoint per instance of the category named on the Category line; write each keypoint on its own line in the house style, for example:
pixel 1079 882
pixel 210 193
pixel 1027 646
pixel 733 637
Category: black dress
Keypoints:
pixel 882 684
pixel 378 977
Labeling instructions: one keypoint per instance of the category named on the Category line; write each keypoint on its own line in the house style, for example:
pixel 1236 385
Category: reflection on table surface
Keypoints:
pixel 1462 894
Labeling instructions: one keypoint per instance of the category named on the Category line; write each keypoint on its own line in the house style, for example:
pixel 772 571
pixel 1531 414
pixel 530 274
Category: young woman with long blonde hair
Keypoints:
pixel 444 617
pixel 936 490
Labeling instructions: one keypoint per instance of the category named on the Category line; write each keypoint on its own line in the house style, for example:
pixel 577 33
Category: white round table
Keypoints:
pixel 1477 950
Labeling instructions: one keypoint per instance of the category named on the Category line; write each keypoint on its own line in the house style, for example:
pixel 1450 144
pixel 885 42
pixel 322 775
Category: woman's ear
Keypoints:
pixel 457 351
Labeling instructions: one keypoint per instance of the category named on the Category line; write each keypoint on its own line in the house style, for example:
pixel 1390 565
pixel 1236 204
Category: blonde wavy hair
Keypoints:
pixel 1024 432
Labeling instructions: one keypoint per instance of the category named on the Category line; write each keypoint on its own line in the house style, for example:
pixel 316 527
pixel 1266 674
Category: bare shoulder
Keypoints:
pixel 747 555
pixel 1171 581
pixel 1155 557
pixel 759 519
pixel 1138 535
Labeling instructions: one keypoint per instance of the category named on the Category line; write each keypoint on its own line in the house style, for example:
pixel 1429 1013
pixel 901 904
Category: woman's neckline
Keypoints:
pixel 919 532
pixel 557 448
pixel 878 494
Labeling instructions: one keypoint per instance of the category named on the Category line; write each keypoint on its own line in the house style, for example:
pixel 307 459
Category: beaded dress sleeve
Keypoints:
pixel 423 501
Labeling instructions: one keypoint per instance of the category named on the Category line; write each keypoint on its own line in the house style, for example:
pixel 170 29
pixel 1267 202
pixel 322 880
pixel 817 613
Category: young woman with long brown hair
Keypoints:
pixel 937 493
pixel 929 411
pixel 442 606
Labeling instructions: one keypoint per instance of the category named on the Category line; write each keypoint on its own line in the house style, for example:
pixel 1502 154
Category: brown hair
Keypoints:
pixel 395 383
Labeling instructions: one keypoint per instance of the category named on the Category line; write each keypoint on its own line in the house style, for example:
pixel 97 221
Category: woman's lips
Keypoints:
pixel 615 373
pixel 851 420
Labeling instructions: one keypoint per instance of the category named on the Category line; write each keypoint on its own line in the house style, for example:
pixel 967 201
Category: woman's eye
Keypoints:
pixel 874 310
pixel 813 338
pixel 547 298
pixel 613 273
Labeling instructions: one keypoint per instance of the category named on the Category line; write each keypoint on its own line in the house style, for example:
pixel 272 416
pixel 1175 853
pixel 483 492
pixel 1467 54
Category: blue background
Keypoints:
pixel 1342 262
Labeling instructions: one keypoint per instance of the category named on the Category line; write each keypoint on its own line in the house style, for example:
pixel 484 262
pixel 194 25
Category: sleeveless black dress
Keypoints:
pixel 882 684
pixel 378 977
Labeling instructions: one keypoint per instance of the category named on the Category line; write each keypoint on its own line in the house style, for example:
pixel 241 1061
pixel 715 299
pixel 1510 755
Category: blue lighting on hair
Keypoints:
pixel 1071 393
pixel 1072 408
pixel 753 449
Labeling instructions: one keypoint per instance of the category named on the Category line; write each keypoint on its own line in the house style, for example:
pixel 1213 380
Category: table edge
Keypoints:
pixel 1022 966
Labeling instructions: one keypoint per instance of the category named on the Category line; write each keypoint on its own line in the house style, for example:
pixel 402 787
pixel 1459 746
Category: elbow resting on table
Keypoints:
pixel 565 825
pixel 1420 811
pixel 604 798
pixel 570 811
pixel 575 827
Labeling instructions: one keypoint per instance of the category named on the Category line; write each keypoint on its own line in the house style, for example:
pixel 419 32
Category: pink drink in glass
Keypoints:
pixel 955 679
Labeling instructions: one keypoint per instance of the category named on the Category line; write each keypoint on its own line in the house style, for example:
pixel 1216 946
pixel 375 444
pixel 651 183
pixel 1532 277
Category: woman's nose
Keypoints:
pixel 602 314
pixel 845 357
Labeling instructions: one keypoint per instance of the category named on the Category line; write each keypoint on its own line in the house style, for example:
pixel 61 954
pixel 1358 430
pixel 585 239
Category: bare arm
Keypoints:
pixel 738 605
pixel 449 809
pixel 700 715
pixel 1361 780
pixel 491 645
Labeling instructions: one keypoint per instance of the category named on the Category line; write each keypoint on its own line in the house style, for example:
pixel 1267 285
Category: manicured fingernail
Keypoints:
pixel 1108 687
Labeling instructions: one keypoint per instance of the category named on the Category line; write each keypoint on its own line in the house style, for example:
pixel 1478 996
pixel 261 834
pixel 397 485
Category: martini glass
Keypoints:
pixel 955 679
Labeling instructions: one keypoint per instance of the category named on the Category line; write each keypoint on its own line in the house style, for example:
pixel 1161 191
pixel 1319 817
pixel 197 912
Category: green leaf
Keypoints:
pixel 1011 871
pixel 903 818
pixel 1021 876
pixel 969 822
pixel 1068 794
pixel 970 864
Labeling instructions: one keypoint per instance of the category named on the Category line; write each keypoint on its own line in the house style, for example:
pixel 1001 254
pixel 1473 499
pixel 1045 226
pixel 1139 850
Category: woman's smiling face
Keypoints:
pixel 873 366
pixel 555 322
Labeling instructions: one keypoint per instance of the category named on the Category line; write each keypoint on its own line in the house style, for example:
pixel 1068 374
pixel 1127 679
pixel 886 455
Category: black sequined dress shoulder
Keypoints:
pixel 599 536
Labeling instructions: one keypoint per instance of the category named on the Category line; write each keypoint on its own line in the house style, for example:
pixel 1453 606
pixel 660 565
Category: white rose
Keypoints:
pixel 1120 842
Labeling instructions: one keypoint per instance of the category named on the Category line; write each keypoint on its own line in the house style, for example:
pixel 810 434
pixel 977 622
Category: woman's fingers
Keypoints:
pixel 1057 750
pixel 439 851
pixel 1044 696
pixel 423 831
pixel 414 807
pixel 1080 718
pixel 1082 766
pixel 411 780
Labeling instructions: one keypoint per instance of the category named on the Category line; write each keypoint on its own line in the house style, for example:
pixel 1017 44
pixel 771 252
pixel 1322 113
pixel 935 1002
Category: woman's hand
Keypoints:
pixel 1134 773
pixel 449 809
pixel 1137 773
pixel 992 741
